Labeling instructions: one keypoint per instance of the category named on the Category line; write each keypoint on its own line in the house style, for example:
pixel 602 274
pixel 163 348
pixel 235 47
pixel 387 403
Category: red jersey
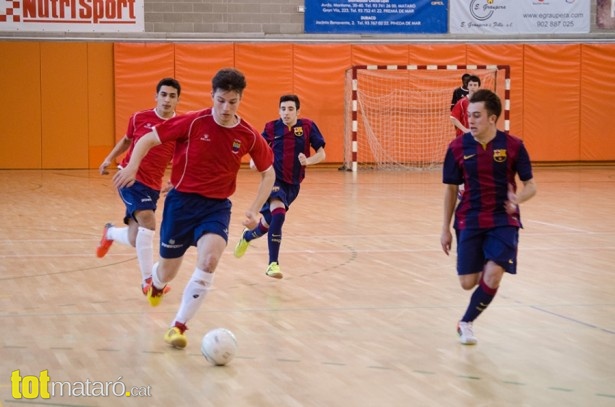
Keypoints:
pixel 151 170
pixel 460 112
pixel 208 156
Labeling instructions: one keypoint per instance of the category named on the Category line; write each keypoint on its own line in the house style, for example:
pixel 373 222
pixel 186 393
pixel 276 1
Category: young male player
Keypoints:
pixel 141 198
pixel 197 211
pixel 290 137
pixel 459 113
pixel 487 218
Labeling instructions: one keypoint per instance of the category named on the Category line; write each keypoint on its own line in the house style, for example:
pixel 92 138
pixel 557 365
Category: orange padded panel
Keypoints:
pixel 20 137
pixel 64 84
pixel 551 101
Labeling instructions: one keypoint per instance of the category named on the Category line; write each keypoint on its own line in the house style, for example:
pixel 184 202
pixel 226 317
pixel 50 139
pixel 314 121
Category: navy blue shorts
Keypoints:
pixel 138 197
pixel 476 246
pixel 186 217
pixel 283 191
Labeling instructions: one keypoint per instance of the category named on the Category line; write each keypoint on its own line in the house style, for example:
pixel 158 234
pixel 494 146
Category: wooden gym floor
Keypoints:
pixel 365 314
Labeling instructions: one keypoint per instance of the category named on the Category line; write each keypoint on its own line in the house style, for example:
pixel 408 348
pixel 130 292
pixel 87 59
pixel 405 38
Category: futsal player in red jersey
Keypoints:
pixel 141 198
pixel 487 218
pixel 459 113
pixel 461 91
pixel 197 211
pixel 290 138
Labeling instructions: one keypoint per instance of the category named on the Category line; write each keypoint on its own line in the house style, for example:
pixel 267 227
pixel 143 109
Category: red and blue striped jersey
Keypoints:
pixel 287 142
pixel 486 172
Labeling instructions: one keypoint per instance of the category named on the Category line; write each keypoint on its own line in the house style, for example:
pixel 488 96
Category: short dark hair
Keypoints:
pixel 174 83
pixel 473 78
pixel 493 105
pixel 464 78
pixel 290 98
pixel 229 79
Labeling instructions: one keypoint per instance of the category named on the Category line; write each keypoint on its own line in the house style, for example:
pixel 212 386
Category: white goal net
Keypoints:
pixel 398 117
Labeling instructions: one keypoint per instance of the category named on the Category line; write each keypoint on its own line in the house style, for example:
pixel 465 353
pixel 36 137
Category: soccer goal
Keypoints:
pixel 398 116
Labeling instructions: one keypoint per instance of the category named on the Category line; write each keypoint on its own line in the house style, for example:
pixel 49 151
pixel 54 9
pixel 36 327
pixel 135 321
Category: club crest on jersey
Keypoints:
pixel 236 146
pixel 298 131
pixel 499 156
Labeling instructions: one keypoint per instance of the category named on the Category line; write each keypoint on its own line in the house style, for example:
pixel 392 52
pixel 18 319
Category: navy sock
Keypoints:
pixel 481 297
pixel 274 236
pixel 255 233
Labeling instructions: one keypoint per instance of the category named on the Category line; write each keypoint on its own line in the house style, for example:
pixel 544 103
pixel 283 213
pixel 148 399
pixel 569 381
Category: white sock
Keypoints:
pixel 155 280
pixel 145 251
pixel 197 288
pixel 119 235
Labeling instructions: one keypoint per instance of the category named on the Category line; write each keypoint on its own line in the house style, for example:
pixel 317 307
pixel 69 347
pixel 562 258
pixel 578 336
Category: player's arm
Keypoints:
pixel 514 199
pixel 458 124
pixel 450 199
pixel 313 159
pixel 119 148
pixel 126 176
pixel 528 191
pixel 264 189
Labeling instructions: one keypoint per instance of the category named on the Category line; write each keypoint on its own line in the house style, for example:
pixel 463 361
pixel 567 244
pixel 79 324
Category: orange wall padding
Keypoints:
pixel 552 101
pixel 597 102
pixel 64 105
pixel 138 68
pixel 76 97
pixel 319 81
pixel 63 115
pixel 20 134
pixel 100 89
pixel 195 65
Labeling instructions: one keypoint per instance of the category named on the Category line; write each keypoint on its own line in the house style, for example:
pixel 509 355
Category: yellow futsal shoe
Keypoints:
pixel 176 338
pixel 242 245
pixel 274 270
pixel 154 295
pixel 148 283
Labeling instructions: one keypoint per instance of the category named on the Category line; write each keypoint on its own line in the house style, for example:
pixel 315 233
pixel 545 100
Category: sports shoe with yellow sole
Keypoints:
pixel 105 242
pixel 176 338
pixel 154 295
pixel 148 283
pixel 274 270
pixel 242 245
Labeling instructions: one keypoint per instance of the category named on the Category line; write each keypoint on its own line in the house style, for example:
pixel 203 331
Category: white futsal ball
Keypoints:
pixel 219 346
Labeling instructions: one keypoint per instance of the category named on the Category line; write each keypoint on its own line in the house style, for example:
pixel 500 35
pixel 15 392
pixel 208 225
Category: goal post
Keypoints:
pixel 398 116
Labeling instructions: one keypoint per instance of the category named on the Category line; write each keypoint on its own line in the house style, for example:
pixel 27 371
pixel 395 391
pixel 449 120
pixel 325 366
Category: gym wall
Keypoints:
pixel 70 101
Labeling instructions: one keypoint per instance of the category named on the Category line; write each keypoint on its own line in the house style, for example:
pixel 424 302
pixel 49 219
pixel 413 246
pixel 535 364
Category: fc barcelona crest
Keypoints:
pixel 298 131
pixel 499 156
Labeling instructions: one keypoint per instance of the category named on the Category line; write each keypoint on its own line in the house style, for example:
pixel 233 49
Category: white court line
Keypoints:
pixel 557 225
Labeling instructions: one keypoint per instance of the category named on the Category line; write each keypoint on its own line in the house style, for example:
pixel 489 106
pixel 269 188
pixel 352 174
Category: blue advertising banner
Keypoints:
pixel 376 16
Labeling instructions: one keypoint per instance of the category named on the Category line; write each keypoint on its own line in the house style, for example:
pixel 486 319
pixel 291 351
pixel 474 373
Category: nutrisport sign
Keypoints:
pixel 72 15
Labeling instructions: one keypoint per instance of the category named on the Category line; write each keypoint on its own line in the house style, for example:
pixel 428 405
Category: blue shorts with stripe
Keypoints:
pixel 186 217
pixel 287 193
pixel 138 197
pixel 476 246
